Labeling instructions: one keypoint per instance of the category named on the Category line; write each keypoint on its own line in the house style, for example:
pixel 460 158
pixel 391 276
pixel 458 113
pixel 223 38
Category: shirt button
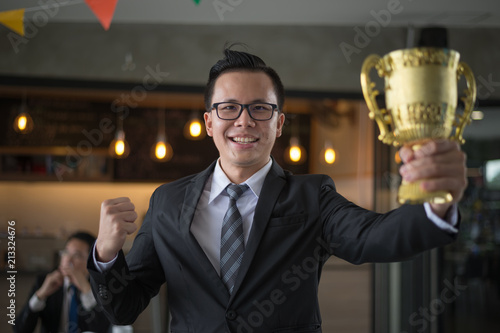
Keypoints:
pixel 231 315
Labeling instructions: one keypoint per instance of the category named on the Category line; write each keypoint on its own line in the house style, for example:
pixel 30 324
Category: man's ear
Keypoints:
pixel 280 122
pixel 207 116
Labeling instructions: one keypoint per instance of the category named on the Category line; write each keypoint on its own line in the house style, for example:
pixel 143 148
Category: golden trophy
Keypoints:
pixel 420 103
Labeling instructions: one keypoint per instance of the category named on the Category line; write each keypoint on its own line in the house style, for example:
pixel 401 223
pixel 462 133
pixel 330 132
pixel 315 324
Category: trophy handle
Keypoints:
pixel 381 116
pixel 469 99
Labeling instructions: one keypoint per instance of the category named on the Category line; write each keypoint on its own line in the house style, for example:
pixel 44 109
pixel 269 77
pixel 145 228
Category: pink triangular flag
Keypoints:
pixel 104 10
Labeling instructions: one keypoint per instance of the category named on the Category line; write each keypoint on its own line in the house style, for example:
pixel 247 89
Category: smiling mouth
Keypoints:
pixel 244 140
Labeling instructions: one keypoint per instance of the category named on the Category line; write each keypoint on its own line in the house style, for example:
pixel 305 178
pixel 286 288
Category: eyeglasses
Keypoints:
pixel 75 255
pixel 232 110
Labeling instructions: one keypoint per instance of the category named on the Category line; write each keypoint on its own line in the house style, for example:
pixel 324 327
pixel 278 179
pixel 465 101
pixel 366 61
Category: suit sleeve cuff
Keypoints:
pixel 450 221
pixel 36 304
pixel 102 267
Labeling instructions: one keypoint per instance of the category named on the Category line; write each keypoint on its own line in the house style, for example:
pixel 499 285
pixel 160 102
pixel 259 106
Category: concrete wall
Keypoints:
pixel 307 57
pixel 60 208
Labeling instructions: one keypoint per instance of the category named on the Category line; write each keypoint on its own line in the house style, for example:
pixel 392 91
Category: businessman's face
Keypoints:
pixel 244 144
pixel 74 256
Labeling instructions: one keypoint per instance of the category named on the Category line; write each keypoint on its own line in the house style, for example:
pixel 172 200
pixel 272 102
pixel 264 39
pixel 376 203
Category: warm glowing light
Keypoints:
pixel 195 129
pixel 330 155
pixel 295 154
pixel 119 147
pixel 477 115
pixel 161 150
pixel 22 121
pixel 397 158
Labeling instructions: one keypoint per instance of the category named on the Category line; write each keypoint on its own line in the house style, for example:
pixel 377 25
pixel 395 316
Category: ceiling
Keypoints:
pixel 451 13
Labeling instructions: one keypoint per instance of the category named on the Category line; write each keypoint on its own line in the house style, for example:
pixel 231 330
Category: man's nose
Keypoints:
pixel 244 119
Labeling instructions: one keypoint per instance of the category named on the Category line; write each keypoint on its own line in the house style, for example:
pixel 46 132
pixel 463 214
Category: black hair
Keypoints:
pixel 84 237
pixel 241 61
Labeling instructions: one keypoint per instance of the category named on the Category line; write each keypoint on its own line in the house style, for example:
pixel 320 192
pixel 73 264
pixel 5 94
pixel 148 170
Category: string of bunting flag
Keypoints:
pixel 102 9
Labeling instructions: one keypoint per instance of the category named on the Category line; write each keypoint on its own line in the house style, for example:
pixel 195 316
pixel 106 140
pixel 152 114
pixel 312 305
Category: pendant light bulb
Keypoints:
pixel 194 128
pixel 23 123
pixel 328 155
pixel 119 147
pixel 295 153
pixel 161 151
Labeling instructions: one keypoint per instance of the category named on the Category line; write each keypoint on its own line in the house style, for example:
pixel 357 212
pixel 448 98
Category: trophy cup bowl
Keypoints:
pixel 420 104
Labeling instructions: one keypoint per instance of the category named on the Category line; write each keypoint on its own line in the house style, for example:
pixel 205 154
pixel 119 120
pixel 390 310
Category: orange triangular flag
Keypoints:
pixel 104 10
pixel 13 19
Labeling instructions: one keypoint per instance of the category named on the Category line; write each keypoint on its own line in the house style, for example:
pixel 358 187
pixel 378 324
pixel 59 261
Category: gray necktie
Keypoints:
pixel 232 241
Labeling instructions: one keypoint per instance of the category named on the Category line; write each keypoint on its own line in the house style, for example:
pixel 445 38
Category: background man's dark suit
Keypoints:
pixel 93 321
pixel 299 221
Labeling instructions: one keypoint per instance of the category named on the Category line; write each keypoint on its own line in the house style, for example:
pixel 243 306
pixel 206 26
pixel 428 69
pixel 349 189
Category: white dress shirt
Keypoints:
pixel 213 204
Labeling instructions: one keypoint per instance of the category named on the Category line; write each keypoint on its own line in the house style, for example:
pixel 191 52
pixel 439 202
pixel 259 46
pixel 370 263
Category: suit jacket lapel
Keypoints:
pixel 191 198
pixel 273 184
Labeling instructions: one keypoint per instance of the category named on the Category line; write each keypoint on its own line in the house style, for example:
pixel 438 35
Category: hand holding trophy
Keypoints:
pixel 421 104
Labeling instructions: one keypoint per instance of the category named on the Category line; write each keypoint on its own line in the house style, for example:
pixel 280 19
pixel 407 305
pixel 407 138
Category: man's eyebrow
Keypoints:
pixel 232 100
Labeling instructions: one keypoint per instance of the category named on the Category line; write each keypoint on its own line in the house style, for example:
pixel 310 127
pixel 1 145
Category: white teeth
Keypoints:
pixel 244 140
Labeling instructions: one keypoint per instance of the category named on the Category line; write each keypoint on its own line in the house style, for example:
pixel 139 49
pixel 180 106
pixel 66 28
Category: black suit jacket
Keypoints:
pixel 299 222
pixel 93 321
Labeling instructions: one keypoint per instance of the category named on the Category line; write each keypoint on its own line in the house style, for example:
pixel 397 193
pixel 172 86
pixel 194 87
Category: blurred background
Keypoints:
pixel 112 102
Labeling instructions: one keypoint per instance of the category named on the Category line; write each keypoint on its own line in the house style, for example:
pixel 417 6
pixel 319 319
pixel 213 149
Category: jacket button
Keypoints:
pixel 103 292
pixel 231 315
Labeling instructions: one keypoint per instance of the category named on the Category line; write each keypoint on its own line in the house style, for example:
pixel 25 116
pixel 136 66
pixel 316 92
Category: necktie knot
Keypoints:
pixel 235 191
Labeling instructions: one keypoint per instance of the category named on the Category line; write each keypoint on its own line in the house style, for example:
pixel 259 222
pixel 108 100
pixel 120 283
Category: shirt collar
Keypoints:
pixel 220 181
pixel 67 283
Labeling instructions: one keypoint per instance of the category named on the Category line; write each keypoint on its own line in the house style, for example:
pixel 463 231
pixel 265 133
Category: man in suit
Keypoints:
pixel 52 295
pixel 256 267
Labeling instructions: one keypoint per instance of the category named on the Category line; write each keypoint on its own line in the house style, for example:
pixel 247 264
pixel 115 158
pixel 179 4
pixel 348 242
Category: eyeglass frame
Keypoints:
pixel 243 107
